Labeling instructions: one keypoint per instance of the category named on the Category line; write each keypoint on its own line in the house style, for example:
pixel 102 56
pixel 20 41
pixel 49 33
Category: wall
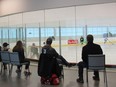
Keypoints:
pixel 100 15
pixel 90 15
pixel 16 6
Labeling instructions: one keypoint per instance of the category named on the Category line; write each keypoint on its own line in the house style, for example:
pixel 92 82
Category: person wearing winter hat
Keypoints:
pixel 60 58
pixel 5 48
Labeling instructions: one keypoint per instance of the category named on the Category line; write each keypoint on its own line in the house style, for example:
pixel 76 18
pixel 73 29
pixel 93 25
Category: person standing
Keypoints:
pixel 81 40
pixel 89 48
pixel 34 51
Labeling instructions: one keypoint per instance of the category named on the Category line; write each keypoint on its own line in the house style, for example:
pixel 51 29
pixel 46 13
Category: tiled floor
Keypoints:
pixel 70 76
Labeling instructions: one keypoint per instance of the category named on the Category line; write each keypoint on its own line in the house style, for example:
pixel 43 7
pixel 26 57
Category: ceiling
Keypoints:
pixel 16 6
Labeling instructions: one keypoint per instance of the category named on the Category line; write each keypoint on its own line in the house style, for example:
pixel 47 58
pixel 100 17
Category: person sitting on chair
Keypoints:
pixel 89 48
pixel 5 48
pixel 19 48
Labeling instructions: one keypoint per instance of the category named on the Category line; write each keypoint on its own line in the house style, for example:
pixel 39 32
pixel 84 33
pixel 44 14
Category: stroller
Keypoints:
pixel 49 69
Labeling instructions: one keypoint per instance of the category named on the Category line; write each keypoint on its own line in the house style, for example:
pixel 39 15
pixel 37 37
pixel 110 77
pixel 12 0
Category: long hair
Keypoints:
pixel 19 45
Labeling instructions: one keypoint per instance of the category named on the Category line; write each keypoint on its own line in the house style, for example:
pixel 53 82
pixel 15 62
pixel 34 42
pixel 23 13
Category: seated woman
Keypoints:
pixel 19 48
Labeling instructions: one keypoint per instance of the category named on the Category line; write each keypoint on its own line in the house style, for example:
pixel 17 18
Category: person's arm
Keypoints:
pixel 100 50
pixel 84 54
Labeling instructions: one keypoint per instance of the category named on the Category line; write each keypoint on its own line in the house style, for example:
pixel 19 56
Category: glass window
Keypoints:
pixel 5 33
pixel 32 32
pixel 68 31
pixel 97 30
pixel 79 31
pixel 46 32
pixel 112 29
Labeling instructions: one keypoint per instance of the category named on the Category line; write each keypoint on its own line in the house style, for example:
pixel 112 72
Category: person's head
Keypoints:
pixel 49 41
pixel 19 43
pixel 5 44
pixel 18 46
pixel 90 38
pixel 33 44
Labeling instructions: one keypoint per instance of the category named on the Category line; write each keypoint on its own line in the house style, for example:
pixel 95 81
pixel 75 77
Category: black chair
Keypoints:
pixel 5 59
pixel 97 62
pixel 14 60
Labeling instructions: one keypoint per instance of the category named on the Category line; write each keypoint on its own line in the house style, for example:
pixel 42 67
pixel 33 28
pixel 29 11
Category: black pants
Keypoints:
pixel 82 65
pixel 26 66
pixel 5 65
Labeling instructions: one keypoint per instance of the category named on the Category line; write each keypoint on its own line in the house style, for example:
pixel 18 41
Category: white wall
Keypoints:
pixel 102 14
pixel 35 18
pixel 95 15
pixel 4 21
pixel 15 20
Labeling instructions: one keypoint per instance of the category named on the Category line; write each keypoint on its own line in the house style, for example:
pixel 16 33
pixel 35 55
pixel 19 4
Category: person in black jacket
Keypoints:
pixel 54 53
pixel 89 48
pixel 19 48
pixel 50 56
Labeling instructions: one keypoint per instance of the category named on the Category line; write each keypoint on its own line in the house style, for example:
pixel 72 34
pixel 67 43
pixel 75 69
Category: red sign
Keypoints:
pixel 72 41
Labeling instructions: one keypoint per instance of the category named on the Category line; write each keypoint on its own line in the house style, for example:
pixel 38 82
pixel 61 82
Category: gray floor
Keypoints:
pixel 70 76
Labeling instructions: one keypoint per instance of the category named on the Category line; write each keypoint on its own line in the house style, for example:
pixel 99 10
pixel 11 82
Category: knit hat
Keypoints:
pixel 5 44
pixel 49 40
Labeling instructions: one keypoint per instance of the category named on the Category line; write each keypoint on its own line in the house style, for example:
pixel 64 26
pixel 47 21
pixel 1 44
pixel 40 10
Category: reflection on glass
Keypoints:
pixel 65 24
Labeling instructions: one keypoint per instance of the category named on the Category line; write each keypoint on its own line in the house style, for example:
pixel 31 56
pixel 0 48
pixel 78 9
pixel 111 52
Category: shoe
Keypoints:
pixel 74 64
pixel 18 71
pixel 27 73
pixel 70 65
pixel 96 78
pixel 80 80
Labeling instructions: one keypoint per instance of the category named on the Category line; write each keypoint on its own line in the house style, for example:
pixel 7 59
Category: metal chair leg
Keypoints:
pixel 11 69
pixel 87 75
pixel 105 74
pixel 1 68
